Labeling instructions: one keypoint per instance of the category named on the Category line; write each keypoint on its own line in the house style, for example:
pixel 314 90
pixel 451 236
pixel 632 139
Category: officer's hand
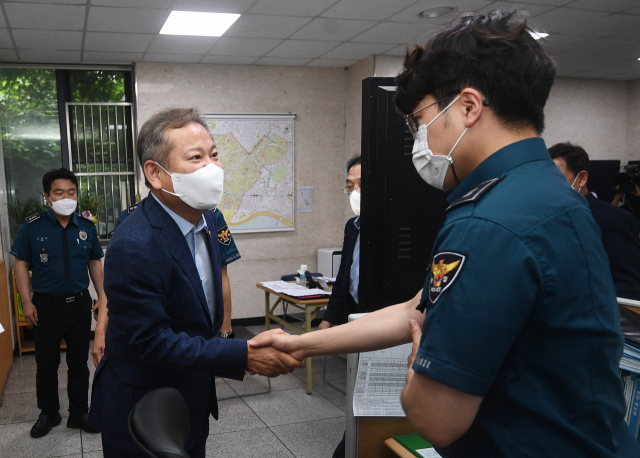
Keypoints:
pixel 97 351
pixel 30 313
pixel 324 325
pixel 416 334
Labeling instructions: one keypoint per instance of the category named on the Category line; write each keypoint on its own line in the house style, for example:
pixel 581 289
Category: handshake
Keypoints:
pixel 273 353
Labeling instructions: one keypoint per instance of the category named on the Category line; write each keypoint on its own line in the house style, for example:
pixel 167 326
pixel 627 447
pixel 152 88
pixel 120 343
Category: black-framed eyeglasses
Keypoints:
pixel 411 122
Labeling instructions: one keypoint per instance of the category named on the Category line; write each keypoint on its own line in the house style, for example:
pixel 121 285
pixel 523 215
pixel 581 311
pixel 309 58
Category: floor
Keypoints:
pixel 287 422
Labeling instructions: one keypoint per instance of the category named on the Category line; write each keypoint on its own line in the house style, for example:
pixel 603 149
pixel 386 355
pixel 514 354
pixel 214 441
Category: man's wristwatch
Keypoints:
pixel 226 335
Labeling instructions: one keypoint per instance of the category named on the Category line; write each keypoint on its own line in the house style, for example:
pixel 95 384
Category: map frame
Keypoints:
pixel 209 117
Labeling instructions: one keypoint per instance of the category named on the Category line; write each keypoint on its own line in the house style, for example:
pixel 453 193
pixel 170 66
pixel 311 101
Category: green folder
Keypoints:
pixel 412 442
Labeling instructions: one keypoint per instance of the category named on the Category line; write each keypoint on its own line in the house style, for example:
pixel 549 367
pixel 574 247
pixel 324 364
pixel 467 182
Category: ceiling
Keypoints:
pixel 588 38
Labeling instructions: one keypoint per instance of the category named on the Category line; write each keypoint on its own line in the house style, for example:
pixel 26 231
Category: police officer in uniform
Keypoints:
pixel 228 254
pixel 522 340
pixel 62 250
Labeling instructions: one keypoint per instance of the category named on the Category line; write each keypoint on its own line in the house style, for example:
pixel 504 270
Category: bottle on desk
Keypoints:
pixel 302 280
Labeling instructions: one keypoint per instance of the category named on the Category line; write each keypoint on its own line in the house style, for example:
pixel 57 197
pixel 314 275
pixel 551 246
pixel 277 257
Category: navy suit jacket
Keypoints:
pixel 341 303
pixel 620 237
pixel 160 331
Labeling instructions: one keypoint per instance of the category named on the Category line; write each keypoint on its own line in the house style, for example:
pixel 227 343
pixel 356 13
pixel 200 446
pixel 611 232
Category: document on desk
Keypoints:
pixel 380 380
pixel 292 289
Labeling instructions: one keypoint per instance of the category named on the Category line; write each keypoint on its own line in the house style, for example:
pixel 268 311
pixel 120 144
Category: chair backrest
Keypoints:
pixel 159 423
pixel 292 277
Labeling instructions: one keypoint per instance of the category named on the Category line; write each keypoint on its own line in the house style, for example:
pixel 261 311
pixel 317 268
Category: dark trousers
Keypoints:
pixel 58 319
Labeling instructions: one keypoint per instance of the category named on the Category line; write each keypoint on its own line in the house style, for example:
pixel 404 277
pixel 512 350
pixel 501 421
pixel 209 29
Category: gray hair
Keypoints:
pixel 153 141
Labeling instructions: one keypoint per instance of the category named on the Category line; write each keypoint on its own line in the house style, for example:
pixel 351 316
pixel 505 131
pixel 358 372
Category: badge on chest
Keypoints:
pixel 82 235
pixel 44 256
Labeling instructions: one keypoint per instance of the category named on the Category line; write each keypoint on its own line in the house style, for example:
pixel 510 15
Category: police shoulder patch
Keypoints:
pixel 475 194
pixel 224 236
pixel 31 218
pixel 445 268
pixel 132 208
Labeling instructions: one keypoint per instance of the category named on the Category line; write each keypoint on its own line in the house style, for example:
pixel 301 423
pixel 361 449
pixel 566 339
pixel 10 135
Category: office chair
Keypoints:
pixel 159 423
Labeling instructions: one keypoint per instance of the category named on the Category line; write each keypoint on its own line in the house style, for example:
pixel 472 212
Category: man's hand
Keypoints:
pixel 30 312
pixel 269 361
pixel 324 325
pixel 97 351
pixel 416 334
pixel 280 341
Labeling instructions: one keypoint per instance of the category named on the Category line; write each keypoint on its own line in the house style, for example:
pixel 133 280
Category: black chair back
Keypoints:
pixel 159 423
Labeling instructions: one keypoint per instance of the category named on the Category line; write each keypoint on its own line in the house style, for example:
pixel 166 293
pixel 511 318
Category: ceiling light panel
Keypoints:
pixel 198 24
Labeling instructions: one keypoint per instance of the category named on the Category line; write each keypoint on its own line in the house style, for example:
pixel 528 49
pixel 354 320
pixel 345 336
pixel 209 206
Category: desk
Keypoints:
pixel 311 307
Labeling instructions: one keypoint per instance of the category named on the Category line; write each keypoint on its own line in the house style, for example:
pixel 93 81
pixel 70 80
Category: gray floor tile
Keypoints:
pixel 91 442
pixel 291 406
pixel 234 415
pixel 93 455
pixel 336 397
pixel 223 390
pixel 257 443
pixel 315 439
pixel 256 384
pixel 23 407
pixel 15 441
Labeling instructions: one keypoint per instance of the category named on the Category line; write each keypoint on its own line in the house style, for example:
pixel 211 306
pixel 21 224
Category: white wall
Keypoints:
pixel 317 96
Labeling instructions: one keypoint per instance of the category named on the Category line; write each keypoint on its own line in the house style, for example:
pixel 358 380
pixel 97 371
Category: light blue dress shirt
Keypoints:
pixel 195 237
pixel 355 266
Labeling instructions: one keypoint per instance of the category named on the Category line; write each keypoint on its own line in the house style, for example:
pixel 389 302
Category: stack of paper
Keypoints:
pixel 291 289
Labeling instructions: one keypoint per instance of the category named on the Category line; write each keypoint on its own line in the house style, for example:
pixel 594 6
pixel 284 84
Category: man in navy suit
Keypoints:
pixel 163 283
pixel 618 227
pixel 344 296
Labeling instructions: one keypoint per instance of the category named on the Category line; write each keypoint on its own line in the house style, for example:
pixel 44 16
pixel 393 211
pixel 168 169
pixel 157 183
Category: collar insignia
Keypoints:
pixel 475 194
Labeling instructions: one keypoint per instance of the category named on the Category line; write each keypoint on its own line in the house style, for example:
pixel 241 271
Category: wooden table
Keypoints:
pixel 311 307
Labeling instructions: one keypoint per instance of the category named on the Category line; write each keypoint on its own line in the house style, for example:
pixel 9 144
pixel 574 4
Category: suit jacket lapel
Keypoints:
pixel 172 238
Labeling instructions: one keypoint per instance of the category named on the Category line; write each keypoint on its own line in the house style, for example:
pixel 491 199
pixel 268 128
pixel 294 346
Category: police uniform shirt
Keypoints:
pixel 521 310
pixel 228 250
pixel 58 257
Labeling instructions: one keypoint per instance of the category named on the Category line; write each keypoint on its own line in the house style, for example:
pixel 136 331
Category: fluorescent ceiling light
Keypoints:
pixel 538 35
pixel 198 24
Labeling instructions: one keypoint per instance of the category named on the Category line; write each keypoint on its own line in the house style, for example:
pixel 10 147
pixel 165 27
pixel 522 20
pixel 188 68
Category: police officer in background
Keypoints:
pixel 61 248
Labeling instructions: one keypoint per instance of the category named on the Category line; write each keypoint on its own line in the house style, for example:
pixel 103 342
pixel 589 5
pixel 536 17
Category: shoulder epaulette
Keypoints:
pixel 30 219
pixel 132 208
pixel 475 194
pixel 88 218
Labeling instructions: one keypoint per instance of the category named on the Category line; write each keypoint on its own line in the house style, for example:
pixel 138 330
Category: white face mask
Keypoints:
pixel 64 207
pixel 201 189
pixel 574 182
pixel 354 200
pixel 432 168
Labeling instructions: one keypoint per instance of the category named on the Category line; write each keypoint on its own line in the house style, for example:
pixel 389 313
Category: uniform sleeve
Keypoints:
pixel 96 251
pixel 22 247
pixel 228 250
pixel 474 321
pixel 335 313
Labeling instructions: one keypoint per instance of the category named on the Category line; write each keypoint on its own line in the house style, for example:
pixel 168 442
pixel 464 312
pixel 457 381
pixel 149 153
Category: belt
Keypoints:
pixel 66 299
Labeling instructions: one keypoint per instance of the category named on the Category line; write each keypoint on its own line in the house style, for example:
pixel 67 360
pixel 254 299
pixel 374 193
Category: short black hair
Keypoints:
pixel 574 156
pixel 57 174
pixel 355 160
pixel 493 53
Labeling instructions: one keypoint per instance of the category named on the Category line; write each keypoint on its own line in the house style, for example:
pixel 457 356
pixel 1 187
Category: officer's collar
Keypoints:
pixel 356 222
pixel 501 162
pixel 54 220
